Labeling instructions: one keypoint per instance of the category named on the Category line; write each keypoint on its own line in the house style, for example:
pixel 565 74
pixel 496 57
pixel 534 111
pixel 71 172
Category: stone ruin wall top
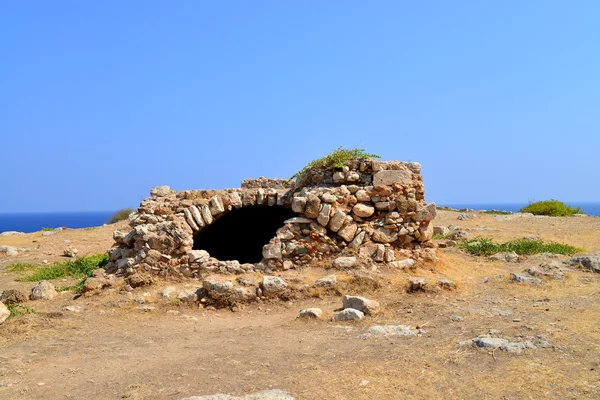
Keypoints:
pixel 374 210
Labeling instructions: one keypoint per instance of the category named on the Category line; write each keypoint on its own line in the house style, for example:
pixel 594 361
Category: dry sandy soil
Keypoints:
pixel 113 350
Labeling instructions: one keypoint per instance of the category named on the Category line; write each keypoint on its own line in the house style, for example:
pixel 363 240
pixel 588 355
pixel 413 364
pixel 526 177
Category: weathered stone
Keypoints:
pixel 94 284
pixel 345 262
pixel 384 235
pixel 368 307
pixel 75 309
pixel 313 205
pixel 337 220
pixel 589 262
pixel 139 279
pixel 70 252
pixel 425 232
pixel 390 331
pixel 190 219
pixel 273 284
pixel 506 256
pixel 43 290
pixel 363 210
pixel 235 200
pixel 426 213
pixel 198 256
pixel 519 278
pixel 4 313
pixel 215 285
pixel 298 220
pixel 206 214
pixel 348 231
pixel 402 264
pixel 458 235
pixel 441 230
pixel 348 314
pixel 314 313
pixel 446 284
pixel 416 284
pixel 327 281
pixel 362 195
pixel 298 204
pixel 160 191
pixel 358 240
pixel 328 198
pixel 197 216
pixel 388 178
pixel 13 296
pixel 323 217
pixel 272 250
pixel 188 296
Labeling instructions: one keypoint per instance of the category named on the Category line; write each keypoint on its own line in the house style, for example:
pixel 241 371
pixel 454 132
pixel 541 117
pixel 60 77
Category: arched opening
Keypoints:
pixel 242 233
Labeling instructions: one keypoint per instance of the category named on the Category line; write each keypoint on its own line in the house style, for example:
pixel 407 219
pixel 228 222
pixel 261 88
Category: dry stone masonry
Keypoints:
pixel 368 212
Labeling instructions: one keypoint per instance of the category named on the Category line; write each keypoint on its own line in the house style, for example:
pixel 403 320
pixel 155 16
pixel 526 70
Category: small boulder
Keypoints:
pixel 187 296
pixel 348 314
pixel 447 284
pixel 590 262
pixel 327 281
pixel 273 284
pixel 94 284
pixel 417 284
pixel 216 285
pixel 505 256
pixel 165 294
pixel 458 235
pixel 13 296
pixel 314 313
pixel 139 279
pixel 402 264
pixel 441 230
pixel 4 313
pixel 75 309
pixel 368 307
pixel 519 278
pixel 70 252
pixel 43 290
pixel 363 210
pixel 344 262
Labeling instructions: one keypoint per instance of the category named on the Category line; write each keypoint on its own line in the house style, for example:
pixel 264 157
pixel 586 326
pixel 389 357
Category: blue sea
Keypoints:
pixel 33 222
pixel 589 208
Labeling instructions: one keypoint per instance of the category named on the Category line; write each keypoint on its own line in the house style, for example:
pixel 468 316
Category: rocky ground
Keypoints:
pixel 487 337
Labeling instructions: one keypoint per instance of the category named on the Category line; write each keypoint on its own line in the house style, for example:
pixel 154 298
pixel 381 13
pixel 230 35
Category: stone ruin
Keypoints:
pixel 370 212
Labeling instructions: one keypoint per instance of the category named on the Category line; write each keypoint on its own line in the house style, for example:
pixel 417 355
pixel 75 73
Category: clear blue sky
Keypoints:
pixel 100 101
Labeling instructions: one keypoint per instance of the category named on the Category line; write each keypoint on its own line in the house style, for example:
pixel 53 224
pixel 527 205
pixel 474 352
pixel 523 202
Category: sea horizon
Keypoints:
pixel 28 222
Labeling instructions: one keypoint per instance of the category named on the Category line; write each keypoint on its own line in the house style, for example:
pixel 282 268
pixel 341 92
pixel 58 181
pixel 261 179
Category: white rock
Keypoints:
pixel 273 284
pixel 166 293
pixel 74 309
pixel 216 205
pixel 345 262
pixel 187 296
pixel 265 395
pixel 160 191
pixel 337 220
pixel 197 216
pixel 348 231
pixel 390 331
pixel 272 250
pixel 348 314
pixel 298 204
pixel 361 195
pixel 368 307
pixel 4 313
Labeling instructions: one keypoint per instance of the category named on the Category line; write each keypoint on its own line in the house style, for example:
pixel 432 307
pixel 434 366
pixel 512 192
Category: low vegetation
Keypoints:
pixel 486 247
pixel 497 212
pixel 19 267
pixel 17 310
pixel 552 208
pixel 79 268
pixel 120 215
pixel 337 159
pixel 48 229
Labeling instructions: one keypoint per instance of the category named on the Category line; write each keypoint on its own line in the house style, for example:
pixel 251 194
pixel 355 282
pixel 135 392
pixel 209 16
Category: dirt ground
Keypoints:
pixel 113 350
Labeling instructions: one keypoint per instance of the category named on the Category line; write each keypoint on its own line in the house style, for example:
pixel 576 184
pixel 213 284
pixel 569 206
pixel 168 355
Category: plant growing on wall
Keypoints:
pixel 337 159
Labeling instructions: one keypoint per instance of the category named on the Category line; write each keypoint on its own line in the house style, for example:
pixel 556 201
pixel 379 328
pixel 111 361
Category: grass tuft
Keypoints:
pixel 486 247
pixel 19 267
pixel 121 215
pixel 79 268
pixel 337 159
pixel 552 208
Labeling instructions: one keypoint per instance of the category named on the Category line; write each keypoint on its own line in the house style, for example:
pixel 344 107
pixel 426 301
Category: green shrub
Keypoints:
pixel 552 208
pixel 120 215
pixel 336 159
pixel 79 268
pixel 487 247
pixel 19 267
pixel 48 229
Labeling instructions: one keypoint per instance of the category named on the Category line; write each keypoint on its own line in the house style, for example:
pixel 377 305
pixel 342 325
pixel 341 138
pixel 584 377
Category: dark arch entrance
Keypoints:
pixel 242 233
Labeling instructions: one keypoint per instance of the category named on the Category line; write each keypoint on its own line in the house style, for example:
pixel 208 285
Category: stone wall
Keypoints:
pixel 373 210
